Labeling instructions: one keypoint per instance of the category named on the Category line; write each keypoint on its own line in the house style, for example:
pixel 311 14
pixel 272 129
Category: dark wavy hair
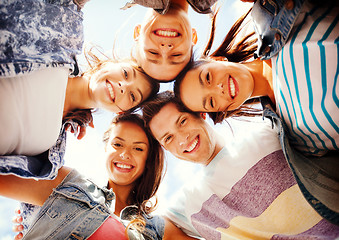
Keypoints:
pixel 154 106
pixel 148 183
pixel 229 50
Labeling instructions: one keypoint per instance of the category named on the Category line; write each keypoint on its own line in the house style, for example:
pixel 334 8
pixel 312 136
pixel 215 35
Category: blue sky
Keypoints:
pixel 105 23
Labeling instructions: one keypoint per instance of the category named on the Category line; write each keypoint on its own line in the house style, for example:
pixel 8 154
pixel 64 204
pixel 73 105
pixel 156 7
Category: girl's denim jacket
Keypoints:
pixel 78 207
pixel 273 21
pixel 36 34
pixel 317 177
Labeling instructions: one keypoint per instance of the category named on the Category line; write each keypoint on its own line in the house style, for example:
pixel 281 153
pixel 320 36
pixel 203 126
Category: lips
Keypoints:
pixel 232 87
pixel 123 167
pixel 193 145
pixel 169 33
pixel 110 90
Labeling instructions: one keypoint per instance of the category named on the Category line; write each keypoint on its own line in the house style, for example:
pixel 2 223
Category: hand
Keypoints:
pixel 81 131
pixel 18 227
pixel 83 118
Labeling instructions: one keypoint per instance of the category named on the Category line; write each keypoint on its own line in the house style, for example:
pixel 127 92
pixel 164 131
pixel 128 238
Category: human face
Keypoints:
pixel 126 153
pixel 164 43
pixel 118 87
pixel 216 86
pixel 186 136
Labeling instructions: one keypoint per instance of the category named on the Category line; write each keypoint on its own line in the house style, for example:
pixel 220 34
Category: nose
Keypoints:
pixel 165 47
pixel 123 87
pixel 220 88
pixel 125 155
pixel 183 139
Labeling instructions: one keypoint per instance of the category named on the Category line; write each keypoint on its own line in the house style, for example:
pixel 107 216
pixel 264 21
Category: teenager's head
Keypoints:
pixel 183 133
pixel 214 86
pixel 164 43
pixel 118 85
pixel 133 158
pixel 219 82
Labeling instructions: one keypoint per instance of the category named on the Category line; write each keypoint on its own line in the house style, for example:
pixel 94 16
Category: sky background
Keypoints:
pixel 104 24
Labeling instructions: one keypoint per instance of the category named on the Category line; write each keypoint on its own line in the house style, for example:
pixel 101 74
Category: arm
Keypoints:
pixel 173 232
pixel 30 190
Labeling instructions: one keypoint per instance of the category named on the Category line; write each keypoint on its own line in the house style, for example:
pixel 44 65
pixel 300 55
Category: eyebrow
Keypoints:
pixel 141 95
pixel 202 84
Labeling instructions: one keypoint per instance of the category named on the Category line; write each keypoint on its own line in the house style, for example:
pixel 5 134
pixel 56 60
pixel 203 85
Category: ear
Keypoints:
pixel 194 36
pixel 136 33
pixel 203 115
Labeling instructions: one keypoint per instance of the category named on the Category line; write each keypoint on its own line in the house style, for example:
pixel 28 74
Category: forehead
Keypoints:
pixel 129 131
pixel 164 120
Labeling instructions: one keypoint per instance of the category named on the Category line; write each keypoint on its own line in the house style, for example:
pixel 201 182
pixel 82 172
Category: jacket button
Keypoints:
pixel 289 4
pixel 277 36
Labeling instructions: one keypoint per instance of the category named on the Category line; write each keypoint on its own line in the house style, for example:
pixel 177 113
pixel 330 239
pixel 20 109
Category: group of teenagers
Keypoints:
pixel 279 181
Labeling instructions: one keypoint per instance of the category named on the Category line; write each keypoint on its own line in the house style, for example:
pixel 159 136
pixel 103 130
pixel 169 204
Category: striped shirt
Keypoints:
pixel 305 75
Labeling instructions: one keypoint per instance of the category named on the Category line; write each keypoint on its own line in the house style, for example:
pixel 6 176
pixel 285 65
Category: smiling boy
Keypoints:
pixel 165 39
pixel 247 190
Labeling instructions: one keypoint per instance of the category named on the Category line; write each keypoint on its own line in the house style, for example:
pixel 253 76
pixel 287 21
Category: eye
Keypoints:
pixel 139 149
pixel 212 103
pixel 176 55
pixel 168 138
pixel 182 122
pixel 153 52
pixel 133 97
pixel 125 73
pixel 116 145
pixel 208 78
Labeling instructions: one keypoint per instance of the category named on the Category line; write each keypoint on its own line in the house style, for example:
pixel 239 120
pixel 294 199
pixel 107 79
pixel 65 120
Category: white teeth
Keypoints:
pixel 167 33
pixel 110 89
pixel 125 166
pixel 193 145
pixel 232 87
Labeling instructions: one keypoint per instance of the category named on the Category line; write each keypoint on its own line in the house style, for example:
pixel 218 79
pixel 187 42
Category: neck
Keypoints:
pixel 218 146
pixel 122 194
pixel 77 94
pixel 262 75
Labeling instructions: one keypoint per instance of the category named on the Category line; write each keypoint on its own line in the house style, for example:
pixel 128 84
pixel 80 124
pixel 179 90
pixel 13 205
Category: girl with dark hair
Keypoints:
pixel 75 207
pixel 301 83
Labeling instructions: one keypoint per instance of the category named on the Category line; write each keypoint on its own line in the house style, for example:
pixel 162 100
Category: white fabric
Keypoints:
pixel 240 153
pixel 31 109
pixel 247 192
pixel 305 75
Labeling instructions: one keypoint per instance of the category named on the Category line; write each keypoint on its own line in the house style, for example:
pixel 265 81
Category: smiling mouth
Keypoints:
pixel 123 166
pixel 166 33
pixel 232 89
pixel 193 145
pixel 110 90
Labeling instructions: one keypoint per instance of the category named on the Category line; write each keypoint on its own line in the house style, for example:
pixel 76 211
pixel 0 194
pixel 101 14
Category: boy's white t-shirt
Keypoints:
pixel 246 192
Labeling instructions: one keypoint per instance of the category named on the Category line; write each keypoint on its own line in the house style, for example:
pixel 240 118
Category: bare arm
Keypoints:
pixel 173 232
pixel 30 190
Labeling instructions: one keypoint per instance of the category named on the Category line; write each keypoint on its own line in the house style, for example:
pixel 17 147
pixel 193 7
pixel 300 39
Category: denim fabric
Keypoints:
pixel 273 21
pixel 317 177
pixel 200 6
pixel 75 209
pixel 78 207
pixel 37 34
